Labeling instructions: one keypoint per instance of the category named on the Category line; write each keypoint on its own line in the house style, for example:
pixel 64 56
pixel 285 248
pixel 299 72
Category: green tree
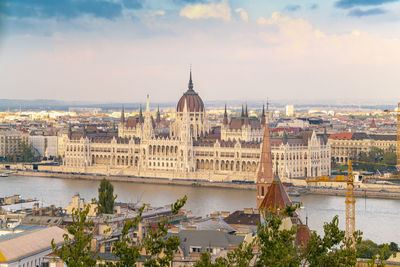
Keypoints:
pixel 76 250
pixel 276 247
pixel 333 249
pixel 394 247
pixel 377 155
pixel 158 248
pixel 27 152
pixel 106 197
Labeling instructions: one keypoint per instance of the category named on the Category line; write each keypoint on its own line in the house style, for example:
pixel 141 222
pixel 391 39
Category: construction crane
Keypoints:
pixel 350 199
pixel 398 134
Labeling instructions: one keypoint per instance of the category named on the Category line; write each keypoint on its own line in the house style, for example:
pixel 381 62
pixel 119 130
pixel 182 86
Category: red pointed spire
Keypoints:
pixel 373 124
pixel 265 174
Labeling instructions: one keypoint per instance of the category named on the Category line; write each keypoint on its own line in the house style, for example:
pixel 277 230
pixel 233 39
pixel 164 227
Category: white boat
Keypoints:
pixel 3 174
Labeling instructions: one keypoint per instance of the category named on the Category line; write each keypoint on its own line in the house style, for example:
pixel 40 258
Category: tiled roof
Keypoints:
pixel 341 136
pixel 276 197
pixel 240 217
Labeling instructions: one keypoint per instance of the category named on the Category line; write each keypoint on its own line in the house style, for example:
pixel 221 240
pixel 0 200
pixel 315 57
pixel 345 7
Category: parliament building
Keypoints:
pixel 190 149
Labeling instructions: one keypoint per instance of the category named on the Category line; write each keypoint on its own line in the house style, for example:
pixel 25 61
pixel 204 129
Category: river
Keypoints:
pixel 378 219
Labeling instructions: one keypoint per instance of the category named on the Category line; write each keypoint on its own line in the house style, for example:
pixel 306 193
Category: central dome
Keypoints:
pixel 193 100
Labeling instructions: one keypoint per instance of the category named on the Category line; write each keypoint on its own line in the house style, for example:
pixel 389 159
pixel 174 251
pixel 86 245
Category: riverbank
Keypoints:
pixel 357 193
pixel 204 183
pixel 145 180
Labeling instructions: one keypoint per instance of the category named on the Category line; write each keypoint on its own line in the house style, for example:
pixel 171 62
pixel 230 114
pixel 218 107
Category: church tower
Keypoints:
pixel 265 174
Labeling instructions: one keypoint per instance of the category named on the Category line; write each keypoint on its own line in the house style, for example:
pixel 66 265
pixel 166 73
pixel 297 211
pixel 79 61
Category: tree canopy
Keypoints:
pixel 106 197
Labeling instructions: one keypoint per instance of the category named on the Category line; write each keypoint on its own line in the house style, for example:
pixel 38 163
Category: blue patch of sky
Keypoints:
pixel 67 9
pixel 369 12
pixel 346 4
pixel 293 8
pixel 132 4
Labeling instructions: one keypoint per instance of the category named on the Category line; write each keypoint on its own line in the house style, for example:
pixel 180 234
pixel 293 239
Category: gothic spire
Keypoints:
pixel 158 117
pixel 265 173
pixel 263 116
pixel 190 86
pixel 122 119
pixel 225 116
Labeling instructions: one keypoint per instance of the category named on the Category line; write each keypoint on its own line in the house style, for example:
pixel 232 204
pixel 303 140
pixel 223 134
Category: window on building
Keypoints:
pixel 195 249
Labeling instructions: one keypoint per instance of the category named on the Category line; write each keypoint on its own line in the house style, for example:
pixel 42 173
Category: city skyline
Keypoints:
pixel 113 51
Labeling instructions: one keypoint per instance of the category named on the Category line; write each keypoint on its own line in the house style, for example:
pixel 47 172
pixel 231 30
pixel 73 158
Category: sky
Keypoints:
pixel 122 50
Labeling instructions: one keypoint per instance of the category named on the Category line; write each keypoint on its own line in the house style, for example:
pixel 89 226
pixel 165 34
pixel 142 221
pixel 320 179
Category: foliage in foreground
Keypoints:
pixel 158 249
pixel 272 246
pixel 276 247
pixel 76 250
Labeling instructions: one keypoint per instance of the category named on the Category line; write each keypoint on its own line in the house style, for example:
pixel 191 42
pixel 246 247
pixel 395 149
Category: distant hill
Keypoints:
pixel 49 104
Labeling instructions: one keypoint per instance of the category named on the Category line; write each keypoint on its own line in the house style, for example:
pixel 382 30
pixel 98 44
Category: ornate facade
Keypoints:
pixel 191 149
pixel 348 145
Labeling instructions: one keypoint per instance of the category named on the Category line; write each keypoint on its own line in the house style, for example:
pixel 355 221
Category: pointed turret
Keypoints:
pixel 242 114
pixel 373 124
pixel 84 132
pixel 148 124
pixel 285 137
pixel 246 116
pixel 158 117
pixel 263 116
pixel 225 117
pixel 140 114
pixel 69 131
pixel 265 173
pixel 190 85
pixel 122 119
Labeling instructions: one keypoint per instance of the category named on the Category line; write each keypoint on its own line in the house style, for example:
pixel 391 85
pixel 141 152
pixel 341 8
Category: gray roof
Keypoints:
pixel 27 243
pixel 213 224
pixel 206 239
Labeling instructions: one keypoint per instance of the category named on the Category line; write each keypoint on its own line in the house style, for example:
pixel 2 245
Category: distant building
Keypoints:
pixel 46 146
pixel 79 203
pixel 194 242
pixel 10 143
pixel 289 110
pixel 347 146
pixel 190 148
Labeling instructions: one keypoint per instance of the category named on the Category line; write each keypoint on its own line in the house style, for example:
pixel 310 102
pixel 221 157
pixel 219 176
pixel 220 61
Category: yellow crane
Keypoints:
pixel 398 134
pixel 350 199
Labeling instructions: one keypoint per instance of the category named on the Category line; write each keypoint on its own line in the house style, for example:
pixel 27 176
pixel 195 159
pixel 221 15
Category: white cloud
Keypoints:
pixel 154 13
pixel 279 56
pixel 243 14
pixel 220 10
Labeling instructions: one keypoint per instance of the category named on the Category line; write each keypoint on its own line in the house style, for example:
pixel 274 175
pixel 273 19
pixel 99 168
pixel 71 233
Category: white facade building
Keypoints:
pixel 46 146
